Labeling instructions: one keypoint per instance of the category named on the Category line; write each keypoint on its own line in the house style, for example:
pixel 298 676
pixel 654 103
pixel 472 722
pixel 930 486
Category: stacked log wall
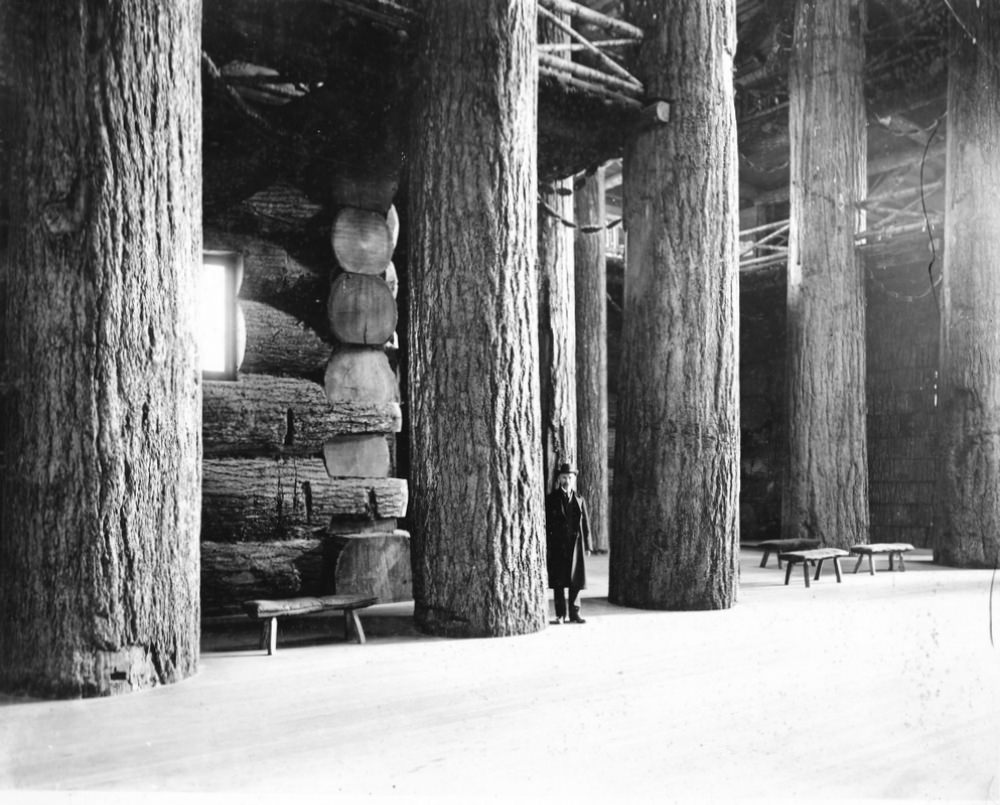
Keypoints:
pixel 273 518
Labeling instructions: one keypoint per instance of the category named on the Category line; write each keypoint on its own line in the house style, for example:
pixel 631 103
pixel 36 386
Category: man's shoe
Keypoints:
pixel 575 618
pixel 557 620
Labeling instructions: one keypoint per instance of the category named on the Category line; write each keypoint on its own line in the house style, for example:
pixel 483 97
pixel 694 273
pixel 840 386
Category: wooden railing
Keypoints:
pixel 764 245
pixel 608 77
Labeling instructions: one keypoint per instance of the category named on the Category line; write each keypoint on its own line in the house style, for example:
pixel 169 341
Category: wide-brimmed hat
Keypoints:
pixel 565 469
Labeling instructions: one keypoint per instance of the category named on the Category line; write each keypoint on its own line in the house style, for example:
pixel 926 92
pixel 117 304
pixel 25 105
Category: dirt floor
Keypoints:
pixel 884 686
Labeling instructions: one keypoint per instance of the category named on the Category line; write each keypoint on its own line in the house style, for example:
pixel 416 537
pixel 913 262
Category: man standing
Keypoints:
pixel 567 536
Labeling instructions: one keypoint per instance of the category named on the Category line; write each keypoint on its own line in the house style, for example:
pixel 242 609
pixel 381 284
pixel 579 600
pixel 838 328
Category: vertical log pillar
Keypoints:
pixel 100 495
pixel 825 486
pixel 478 555
pixel 967 518
pixel 674 512
pixel 592 355
pixel 556 329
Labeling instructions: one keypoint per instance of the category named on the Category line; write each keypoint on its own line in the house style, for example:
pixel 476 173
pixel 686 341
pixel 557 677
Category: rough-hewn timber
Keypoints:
pixel 260 499
pixel 232 573
pixel 360 375
pixel 261 415
pixel 371 563
pixel 279 343
pixel 361 309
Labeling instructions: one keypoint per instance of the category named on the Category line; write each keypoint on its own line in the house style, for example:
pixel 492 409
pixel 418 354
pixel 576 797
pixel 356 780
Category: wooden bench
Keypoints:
pixel 780 545
pixel 269 611
pixel 894 549
pixel 816 557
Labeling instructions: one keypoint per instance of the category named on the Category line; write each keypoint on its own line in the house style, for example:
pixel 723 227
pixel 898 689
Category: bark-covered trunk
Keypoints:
pixel 101 493
pixel 967 520
pixel 473 362
pixel 674 519
pixel 592 356
pixel 825 487
pixel 556 329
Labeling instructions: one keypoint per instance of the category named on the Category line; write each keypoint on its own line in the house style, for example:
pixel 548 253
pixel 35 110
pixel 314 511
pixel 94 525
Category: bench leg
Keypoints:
pixel 805 571
pixel 788 572
pixel 836 568
pixel 269 635
pixel 351 618
pixel 819 567
pixel 857 567
pixel 871 564
pixel 891 556
pixel 902 567
pixel 763 561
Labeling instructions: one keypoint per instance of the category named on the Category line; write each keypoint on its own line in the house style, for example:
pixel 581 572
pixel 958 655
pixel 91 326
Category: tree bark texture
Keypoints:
pixel 967 520
pixel 259 415
pixel 100 502
pixel 556 329
pixel 825 485
pixel 473 329
pixel 592 356
pixel 674 526
pixel 262 499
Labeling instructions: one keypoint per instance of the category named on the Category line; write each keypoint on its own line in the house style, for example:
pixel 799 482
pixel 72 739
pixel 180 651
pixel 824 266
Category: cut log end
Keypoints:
pixel 362 241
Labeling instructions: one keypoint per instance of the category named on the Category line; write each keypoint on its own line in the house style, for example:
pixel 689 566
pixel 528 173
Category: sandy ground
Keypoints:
pixel 879 687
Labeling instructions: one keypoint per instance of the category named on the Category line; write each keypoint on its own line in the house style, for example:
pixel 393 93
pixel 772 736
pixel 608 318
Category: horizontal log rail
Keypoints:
pixel 610 79
pixel 764 245
pixel 631 88
pixel 612 66
pixel 580 12
pixel 767 244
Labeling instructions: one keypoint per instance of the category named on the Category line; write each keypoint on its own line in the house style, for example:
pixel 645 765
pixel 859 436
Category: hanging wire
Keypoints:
pixel 911 132
pixel 587 229
pixel 958 19
pixel 993 579
pixel 927 220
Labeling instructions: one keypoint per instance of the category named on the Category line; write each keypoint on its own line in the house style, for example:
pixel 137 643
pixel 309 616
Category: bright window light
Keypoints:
pixel 217 315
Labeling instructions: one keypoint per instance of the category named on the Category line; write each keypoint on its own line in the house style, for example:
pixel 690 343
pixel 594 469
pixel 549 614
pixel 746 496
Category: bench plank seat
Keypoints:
pixel 895 550
pixel 815 556
pixel 781 545
pixel 269 610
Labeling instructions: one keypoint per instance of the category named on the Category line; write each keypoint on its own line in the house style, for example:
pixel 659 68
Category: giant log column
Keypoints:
pixel 476 474
pixel 967 520
pixel 825 486
pixel 674 523
pixel 556 329
pixel 101 490
pixel 590 264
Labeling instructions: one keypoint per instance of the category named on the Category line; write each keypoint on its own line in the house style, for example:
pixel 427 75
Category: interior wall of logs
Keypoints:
pixel 299 495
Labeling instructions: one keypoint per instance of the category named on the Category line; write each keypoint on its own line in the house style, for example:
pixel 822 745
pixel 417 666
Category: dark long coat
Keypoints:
pixel 567 536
